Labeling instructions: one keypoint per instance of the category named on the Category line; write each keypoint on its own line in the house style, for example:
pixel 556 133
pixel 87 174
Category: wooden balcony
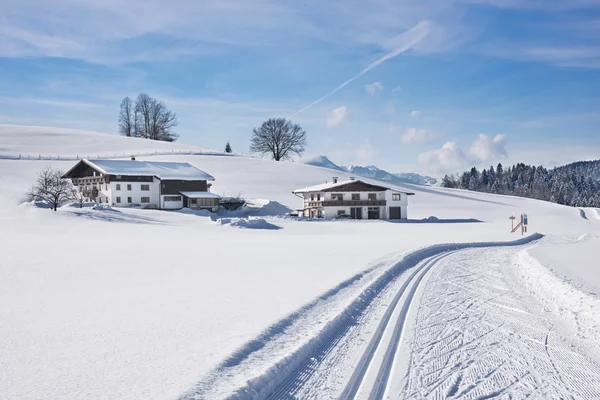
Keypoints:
pixel 347 203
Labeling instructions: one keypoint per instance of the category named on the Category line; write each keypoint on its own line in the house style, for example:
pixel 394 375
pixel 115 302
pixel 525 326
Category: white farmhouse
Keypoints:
pixel 128 183
pixel 358 199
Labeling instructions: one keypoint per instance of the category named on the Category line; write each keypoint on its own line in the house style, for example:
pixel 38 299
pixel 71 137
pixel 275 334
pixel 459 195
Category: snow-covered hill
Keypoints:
pixel 45 142
pixel 125 304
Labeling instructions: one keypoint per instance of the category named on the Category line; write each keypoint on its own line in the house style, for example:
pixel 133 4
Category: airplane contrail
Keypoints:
pixel 408 39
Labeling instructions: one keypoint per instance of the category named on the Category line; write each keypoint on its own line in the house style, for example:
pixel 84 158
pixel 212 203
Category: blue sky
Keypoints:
pixel 446 84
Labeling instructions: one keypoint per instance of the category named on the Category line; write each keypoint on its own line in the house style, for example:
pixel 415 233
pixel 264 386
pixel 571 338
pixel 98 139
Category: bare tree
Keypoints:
pixel 153 120
pixel 52 188
pixel 278 138
pixel 79 197
pixel 126 118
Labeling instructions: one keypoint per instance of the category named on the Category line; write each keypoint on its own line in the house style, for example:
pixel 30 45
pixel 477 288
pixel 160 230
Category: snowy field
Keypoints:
pixel 125 303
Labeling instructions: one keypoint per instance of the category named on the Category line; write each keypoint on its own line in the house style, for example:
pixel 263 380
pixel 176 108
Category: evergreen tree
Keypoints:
pixel 576 185
pixel 228 148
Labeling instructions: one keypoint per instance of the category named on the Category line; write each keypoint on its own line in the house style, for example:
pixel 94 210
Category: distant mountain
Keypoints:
pixel 371 171
pixel 322 161
pixel 417 179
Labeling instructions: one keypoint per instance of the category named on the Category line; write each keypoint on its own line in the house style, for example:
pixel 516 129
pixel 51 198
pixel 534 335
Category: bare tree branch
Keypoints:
pixel 51 188
pixel 153 120
pixel 278 138
pixel 126 118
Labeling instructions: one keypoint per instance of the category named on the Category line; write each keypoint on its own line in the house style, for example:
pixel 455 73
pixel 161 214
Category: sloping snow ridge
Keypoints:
pixel 120 303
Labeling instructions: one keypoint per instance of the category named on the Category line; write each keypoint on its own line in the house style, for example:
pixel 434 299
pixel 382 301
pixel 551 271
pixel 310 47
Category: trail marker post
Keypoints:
pixel 512 222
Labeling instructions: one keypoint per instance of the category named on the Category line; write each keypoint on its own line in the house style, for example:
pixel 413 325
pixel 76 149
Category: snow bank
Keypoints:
pixel 247 223
pixel 574 260
pixel 558 294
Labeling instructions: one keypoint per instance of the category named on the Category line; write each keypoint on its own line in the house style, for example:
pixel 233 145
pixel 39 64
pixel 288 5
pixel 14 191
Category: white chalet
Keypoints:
pixel 129 183
pixel 358 199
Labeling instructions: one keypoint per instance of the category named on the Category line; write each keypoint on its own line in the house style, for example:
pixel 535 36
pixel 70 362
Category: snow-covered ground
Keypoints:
pixel 128 303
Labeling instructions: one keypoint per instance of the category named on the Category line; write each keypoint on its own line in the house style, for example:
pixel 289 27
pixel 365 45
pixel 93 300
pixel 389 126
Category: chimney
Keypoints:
pixel 132 158
pixel 335 178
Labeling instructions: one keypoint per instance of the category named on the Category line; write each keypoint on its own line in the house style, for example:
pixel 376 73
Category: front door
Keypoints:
pixel 356 212
pixel 373 213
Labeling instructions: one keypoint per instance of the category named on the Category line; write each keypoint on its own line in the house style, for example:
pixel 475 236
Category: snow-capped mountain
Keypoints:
pixel 371 171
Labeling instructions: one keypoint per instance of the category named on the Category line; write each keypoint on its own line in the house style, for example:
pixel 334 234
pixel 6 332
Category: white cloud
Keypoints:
pixel 417 136
pixel 374 88
pixel 396 89
pixel 415 114
pixel 485 149
pixel 365 152
pixel 337 116
pixel 451 158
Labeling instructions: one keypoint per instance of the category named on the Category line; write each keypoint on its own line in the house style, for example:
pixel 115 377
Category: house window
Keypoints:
pixel 396 196
pixel 337 197
pixel 129 200
pixel 128 187
pixel 145 188
pixel 312 197
pixel 118 200
pixel 341 212
pixel 372 196
pixel 145 199
pixel 118 186
pixel 172 198
pixel 193 201
pixel 355 196
pixel 319 197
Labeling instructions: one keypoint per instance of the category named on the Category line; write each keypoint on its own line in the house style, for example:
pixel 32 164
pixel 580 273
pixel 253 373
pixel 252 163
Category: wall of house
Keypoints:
pixel 332 212
pixel 136 193
pixel 403 203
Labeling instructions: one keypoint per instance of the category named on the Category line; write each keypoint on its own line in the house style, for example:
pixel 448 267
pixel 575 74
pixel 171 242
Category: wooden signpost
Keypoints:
pixel 522 224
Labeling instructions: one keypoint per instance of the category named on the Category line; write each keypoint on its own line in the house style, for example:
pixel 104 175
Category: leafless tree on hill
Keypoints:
pixel 279 138
pixel 51 188
pixel 148 118
pixel 126 118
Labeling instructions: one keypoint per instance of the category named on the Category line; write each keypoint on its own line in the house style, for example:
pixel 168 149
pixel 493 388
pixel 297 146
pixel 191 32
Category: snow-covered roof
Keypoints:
pixel 200 195
pixel 331 185
pixel 162 170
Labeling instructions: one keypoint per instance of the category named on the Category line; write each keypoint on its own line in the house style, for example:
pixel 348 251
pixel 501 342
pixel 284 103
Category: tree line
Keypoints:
pixel 576 185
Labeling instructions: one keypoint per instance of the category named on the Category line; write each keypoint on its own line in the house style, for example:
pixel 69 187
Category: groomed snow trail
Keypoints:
pixel 480 334
pixel 459 324
pixel 359 352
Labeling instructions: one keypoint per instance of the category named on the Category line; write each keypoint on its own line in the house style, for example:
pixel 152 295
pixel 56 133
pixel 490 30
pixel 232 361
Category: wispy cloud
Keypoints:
pixel 337 116
pixel 414 136
pixel 374 88
pixel 409 39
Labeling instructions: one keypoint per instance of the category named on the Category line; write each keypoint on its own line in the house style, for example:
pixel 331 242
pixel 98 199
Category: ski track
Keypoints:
pixel 320 367
pixel 501 343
